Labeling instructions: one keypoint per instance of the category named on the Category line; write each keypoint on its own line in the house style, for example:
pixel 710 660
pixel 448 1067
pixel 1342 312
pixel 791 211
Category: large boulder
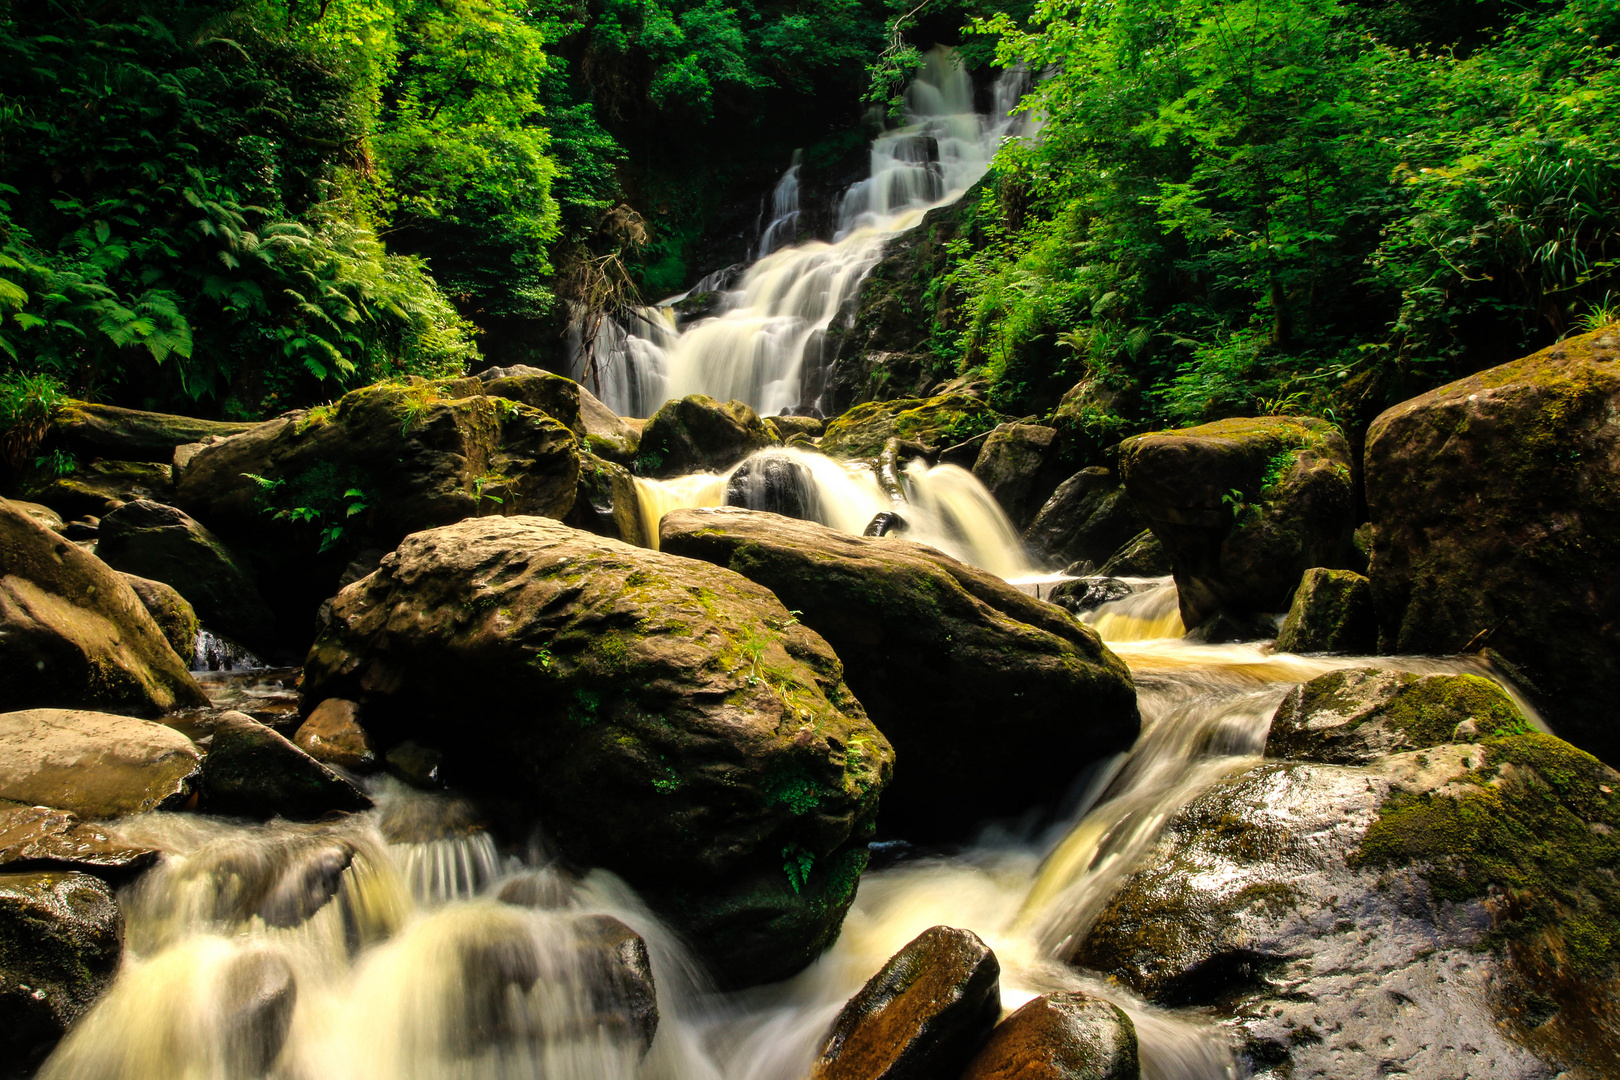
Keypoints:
pixel 699 434
pixel 98 487
pixel 922 1016
pixel 937 422
pixel 1243 507
pixel 61 939
pixel 1087 519
pixel 151 540
pixel 1063 1036
pixel 1448 911
pixel 173 615
pixel 298 498
pixel 1495 504
pixel 994 701
pixel 1331 612
pixel 558 397
pixel 663 718
pixel 129 434
pixel 1016 464
pixel 74 634
pixel 96 765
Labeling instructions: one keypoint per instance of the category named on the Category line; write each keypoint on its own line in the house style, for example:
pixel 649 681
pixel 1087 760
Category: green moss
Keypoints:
pixel 1430 709
pixel 1542 836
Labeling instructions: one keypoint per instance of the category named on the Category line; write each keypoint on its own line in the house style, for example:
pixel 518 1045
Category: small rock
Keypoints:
pixel 253 772
pixel 1067 1036
pixel 38 837
pixel 259 992
pixel 333 736
pixel 886 523
pixel 619 972
pixel 1087 593
pixel 1142 556
pixel 922 1017
pixel 94 764
pixel 419 766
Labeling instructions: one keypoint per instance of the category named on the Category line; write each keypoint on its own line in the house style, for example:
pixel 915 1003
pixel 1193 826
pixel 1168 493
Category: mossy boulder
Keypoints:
pixel 1017 464
pixel 1140 556
pixel 1437 913
pixel 1331 612
pixel 61 940
pixel 1243 507
pixel 166 544
pixel 607 435
pixel 662 717
pixel 107 431
pixel 171 611
pixel 74 634
pixel 1090 420
pixel 1087 519
pixel 96 765
pixel 1064 1036
pixel 938 422
pixel 1354 716
pixel 922 1016
pixel 555 395
pixel 994 701
pixel 608 503
pixel 1495 505
pixel 251 771
pixel 297 498
pixel 95 488
pixel 699 434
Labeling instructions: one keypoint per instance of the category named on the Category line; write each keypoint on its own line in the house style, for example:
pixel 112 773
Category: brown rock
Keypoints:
pixel 922 1017
pixel 95 764
pixel 251 771
pixel 172 613
pixel 333 735
pixel 1067 1036
pixel 38 837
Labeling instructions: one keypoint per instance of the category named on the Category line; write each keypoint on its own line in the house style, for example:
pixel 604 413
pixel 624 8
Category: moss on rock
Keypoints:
pixel 939 422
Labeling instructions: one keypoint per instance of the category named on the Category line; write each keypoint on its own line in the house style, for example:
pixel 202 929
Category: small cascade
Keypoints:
pixel 765 345
pixel 1152 611
pixel 942 506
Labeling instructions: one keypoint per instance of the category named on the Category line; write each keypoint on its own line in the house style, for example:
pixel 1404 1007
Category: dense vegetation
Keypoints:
pixel 1233 206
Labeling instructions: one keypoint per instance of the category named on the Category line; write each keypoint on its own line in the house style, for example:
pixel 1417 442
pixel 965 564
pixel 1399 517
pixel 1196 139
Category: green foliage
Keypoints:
pixel 27 403
pixel 318 498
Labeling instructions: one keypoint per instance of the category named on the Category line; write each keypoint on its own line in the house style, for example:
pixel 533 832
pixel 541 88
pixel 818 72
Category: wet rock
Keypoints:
pixel 170 611
pixel 333 736
pixel 384 461
pixel 699 434
pixel 42 515
pixel 251 771
pixel 1142 556
pixel 1064 1036
pixel 886 523
pixel 1088 517
pixel 966 675
pixel 924 1015
pixel 554 395
pixel 1087 593
pixel 151 540
pixel 1225 628
pixel 1331 612
pixel 776 483
pixel 1354 716
pixel 1243 507
pixel 620 974
pixel 419 766
pixel 1496 521
pixel 40 838
pixel 548 889
pixel 73 633
pixel 938 422
pixel 608 503
pixel 788 425
pixel 61 938
pixel 1017 464
pixel 667 720
pixel 256 1010
pixel 108 431
pixel 94 764
pixel 99 487
pixel 1438 913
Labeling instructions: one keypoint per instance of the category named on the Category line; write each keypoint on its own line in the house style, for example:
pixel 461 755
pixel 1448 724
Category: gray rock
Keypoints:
pixel 1015 464
pixel 1088 518
pixel 94 764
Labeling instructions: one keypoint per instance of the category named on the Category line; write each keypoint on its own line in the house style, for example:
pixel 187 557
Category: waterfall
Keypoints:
pixel 764 346
pixel 942 506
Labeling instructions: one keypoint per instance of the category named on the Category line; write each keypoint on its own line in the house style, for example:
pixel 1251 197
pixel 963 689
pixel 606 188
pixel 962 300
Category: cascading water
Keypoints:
pixel 763 348
pixel 783 225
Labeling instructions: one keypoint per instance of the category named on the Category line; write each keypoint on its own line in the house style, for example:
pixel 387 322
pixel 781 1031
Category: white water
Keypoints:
pixel 944 507
pixel 764 345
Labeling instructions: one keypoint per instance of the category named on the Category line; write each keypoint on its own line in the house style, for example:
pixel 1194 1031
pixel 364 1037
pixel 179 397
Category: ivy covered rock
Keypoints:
pixel 1087 519
pixel 1331 613
pixel 663 718
pixel 74 634
pixel 937 422
pixel 699 434
pixel 1437 913
pixel 1016 464
pixel 1353 716
pixel 922 1016
pixel 61 940
pixel 298 497
pixel 166 544
pixel 1243 507
pixel 994 701
pixel 1063 1036
pixel 1495 505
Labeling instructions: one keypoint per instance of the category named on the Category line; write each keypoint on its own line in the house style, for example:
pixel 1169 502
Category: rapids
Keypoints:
pixel 387 924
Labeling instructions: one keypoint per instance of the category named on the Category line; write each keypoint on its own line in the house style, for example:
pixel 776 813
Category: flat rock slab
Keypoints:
pixel 95 764
pixel 38 837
